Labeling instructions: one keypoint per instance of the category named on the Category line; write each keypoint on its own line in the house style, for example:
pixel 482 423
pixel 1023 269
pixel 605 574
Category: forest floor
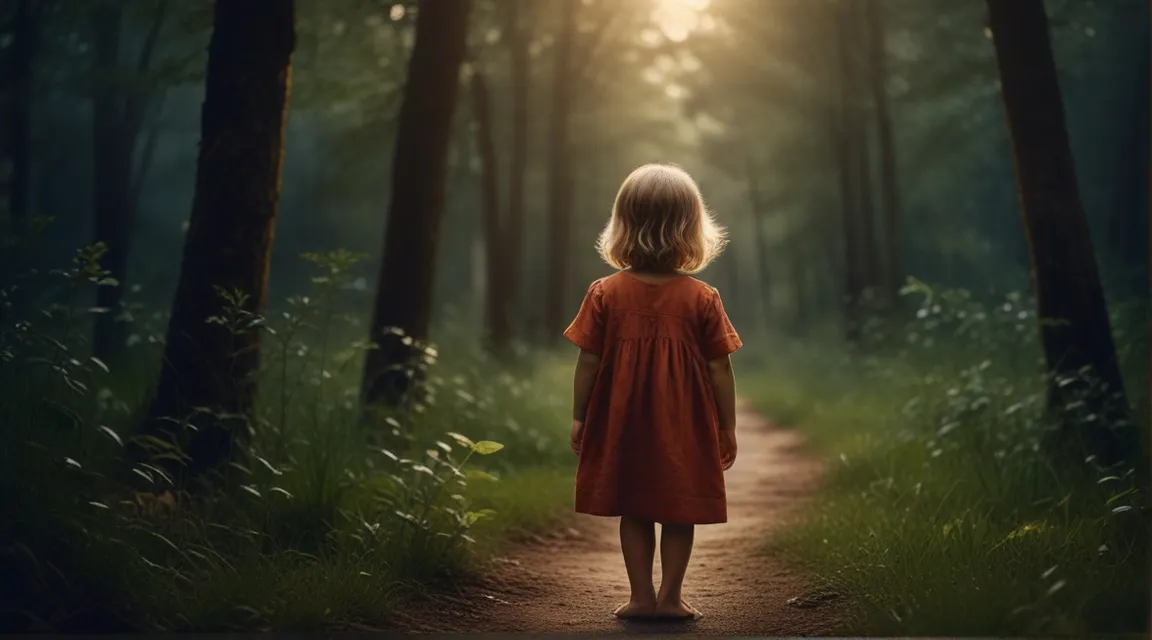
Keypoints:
pixel 571 580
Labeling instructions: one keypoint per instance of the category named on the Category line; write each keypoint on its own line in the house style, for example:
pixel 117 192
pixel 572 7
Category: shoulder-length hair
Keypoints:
pixel 659 222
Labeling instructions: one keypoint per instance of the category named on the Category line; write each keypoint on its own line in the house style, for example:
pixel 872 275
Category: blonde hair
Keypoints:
pixel 659 221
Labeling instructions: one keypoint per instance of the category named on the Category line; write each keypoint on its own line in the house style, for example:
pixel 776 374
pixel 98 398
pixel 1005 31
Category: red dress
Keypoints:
pixel 650 447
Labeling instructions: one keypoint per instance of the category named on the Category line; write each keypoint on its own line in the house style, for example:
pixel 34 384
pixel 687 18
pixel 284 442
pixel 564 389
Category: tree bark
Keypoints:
pixel 560 177
pixel 889 183
pixel 513 241
pixel 404 290
pixel 229 239
pixel 497 259
pixel 1074 326
pixel 26 34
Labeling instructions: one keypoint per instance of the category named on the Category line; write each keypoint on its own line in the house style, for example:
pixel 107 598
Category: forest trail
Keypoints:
pixel 572 580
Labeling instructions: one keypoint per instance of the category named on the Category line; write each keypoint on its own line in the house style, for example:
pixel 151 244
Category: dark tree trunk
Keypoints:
pixel 513 241
pixel 229 239
pixel 862 152
pixel 497 305
pixel 117 116
pixel 112 171
pixel 862 156
pixel 1074 326
pixel 889 183
pixel 404 288
pixel 560 177
pixel 847 178
pixel 26 32
pixel 802 272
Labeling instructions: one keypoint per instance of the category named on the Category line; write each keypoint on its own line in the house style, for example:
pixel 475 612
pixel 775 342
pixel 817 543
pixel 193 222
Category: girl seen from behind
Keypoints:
pixel 654 402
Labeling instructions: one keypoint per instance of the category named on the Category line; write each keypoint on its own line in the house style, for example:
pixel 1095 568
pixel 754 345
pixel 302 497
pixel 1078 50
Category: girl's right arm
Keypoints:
pixel 724 388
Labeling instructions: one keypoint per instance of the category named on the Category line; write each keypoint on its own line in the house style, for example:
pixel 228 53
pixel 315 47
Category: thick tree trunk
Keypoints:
pixel 497 259
pixel 1074 326
pixel 513 231
pixel 229 239
pixel 26 32
pixel 889 184
pixel 402 310
pixel 560 178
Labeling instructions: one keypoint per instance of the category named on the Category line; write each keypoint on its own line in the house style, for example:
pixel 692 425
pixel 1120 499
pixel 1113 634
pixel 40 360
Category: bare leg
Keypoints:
pixel 638 542
pixel 675 551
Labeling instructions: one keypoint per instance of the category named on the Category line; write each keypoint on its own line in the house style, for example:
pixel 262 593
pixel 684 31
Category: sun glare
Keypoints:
pixel 678 18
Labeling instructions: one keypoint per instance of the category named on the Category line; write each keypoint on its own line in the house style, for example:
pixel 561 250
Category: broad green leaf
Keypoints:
pixel 487 447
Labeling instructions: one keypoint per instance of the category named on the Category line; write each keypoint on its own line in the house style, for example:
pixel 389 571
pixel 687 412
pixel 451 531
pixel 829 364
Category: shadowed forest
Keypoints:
pixel 282 295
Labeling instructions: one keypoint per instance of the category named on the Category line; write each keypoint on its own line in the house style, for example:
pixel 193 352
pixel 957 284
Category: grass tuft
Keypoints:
pixel 942 513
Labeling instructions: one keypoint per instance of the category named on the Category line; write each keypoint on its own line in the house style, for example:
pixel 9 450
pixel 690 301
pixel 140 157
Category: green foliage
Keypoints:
pixel 318 524
pixel 943 514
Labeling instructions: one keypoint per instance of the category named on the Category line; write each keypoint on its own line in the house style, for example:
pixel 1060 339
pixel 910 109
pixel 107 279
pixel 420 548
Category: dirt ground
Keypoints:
pixel 572 580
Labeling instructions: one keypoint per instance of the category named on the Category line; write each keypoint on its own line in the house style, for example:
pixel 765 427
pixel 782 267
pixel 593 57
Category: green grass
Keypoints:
pixel 330 520
pixel 940 515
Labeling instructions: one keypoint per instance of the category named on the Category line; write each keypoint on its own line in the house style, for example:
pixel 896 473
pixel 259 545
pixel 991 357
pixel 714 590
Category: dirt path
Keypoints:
pixel 571 581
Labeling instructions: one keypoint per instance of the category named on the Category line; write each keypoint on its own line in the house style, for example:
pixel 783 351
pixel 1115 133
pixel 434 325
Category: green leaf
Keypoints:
pixel 472 517
pixel 487 447
pixel 476 474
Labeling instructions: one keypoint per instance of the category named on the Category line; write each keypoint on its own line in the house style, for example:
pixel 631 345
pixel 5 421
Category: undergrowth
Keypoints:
pixel 326 519
pixel 942 513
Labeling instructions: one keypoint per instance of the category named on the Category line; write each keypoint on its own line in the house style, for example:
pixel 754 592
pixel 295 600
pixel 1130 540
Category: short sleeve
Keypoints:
pixel 720 338
pixel 587 330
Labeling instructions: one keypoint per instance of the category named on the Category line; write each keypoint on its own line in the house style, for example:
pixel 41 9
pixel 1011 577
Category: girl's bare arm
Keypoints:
pixel 724 388
pixel 587 365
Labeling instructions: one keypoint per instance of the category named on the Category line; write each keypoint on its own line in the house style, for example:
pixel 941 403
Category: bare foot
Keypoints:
pixel 681 610
pixel 635 610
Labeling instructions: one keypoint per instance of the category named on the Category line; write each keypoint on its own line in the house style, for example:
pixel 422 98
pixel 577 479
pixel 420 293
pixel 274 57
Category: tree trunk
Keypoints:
pixel 889 184
pixel 802 273
pixel 869 252
pixel 404 288
pixel 862 155
pixel 497 304
pixel 513 231
pixel 1074 326
pixel 112 170
pixel 843 126
pixel 560 177
pixel 117 117
pixel 26 32
pixel 229 239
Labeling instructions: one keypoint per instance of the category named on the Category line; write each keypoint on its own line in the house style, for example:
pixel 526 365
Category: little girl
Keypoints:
pixel 654 402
